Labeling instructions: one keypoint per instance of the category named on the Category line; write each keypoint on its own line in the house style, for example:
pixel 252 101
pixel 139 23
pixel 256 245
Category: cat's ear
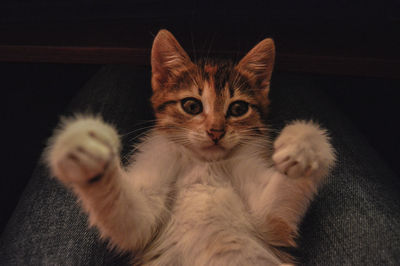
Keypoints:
pixel 168 59
pixel 259 63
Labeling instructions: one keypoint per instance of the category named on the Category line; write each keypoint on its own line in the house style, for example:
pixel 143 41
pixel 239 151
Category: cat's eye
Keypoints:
pixel 238 108
pixel 192 106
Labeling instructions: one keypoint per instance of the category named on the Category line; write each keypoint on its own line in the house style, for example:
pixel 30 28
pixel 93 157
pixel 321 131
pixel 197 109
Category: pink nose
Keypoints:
pixel 216 134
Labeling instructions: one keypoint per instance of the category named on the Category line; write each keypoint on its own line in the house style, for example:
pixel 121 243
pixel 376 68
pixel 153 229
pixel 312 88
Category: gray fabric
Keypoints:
pixel 353 221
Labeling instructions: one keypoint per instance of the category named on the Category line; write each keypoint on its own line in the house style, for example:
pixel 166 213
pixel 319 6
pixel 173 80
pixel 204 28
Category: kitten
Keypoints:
pixel 204 187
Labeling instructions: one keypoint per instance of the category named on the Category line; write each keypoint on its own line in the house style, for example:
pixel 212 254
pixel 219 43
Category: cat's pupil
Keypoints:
pixel 238 108
pixel 192 106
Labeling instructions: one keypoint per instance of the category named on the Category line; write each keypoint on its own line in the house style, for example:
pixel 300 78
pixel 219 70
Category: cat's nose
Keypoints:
pixel 216 134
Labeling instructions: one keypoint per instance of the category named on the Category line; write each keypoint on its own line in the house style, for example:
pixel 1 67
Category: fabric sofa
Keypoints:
pixel 355 219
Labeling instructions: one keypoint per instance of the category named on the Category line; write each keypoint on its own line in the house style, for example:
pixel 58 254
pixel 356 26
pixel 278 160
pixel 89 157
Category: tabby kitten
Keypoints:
pixel 205 187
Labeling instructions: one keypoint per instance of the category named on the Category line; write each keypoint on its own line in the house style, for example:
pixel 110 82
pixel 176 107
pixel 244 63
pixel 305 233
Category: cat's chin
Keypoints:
pixel 212 153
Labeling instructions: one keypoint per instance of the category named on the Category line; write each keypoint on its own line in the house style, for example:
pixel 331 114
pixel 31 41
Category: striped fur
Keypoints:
pixel 217 84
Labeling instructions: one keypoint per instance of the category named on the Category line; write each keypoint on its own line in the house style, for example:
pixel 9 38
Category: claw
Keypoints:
pixel 95 178
pixel 290 166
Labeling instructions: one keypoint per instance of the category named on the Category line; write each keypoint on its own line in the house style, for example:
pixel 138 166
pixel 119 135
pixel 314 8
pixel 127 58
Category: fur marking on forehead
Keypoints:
pixel 218 74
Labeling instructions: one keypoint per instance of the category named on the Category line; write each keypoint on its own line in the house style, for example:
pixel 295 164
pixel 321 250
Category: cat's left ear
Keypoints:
pixel 259 63
pixel 168 59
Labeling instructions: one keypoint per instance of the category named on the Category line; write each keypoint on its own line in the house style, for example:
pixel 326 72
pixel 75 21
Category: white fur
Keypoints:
pixel 200 213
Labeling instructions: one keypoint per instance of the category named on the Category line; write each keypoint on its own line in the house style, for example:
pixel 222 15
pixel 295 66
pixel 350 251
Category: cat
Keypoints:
pixel 206 186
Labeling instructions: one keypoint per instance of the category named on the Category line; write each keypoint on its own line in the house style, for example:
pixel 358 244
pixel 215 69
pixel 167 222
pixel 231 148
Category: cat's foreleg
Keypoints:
pixel 84 155
pixel 302 158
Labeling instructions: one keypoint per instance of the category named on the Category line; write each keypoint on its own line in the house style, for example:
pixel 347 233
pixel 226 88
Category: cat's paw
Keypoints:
pixel 303 149
pixel 82 150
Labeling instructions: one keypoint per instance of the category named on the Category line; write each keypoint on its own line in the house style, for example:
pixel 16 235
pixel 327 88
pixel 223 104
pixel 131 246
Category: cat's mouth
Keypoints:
pixel 213 148
pixel 213 152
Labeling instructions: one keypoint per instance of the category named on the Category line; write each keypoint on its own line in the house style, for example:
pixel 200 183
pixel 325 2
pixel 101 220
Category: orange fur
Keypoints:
pixel 279 233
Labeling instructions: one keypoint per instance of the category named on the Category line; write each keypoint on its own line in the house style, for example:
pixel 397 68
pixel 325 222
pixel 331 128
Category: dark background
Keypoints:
pixel 49 49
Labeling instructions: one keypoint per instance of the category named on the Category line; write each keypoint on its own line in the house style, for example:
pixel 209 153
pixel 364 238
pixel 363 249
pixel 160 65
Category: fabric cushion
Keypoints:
pixel 353 221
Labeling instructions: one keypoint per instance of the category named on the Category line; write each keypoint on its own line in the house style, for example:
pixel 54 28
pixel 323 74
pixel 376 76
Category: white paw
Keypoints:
pixel 302 150
pixel 83 150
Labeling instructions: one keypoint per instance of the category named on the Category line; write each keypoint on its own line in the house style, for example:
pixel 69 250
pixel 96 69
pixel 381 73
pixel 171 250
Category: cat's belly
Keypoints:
pixel 209 220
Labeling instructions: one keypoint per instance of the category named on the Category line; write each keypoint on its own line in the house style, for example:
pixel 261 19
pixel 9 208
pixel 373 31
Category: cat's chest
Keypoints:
pixel 244 178
pixel 203 173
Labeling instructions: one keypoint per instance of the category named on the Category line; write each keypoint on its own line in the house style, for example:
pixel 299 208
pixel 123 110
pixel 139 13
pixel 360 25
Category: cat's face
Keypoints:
pixel 210 107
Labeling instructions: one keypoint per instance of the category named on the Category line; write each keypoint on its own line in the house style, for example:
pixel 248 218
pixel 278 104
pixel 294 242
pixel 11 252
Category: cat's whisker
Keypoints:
pixel 138 129
pixel 255 130
pixel 254 144
pixel 255 140
pixel 140 122
pixel 211 44
pixel 141 135
pixel 193 46
pixel 143 122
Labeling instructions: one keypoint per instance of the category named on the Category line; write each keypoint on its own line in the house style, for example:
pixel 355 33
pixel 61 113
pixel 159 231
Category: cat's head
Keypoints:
pixel 210 107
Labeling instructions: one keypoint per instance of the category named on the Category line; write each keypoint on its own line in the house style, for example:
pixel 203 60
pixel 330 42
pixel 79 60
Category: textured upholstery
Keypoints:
pixel 355 219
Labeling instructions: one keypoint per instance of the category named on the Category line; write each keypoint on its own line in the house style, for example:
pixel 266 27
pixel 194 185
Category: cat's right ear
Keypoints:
pixel 258 64
pixel 168 59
